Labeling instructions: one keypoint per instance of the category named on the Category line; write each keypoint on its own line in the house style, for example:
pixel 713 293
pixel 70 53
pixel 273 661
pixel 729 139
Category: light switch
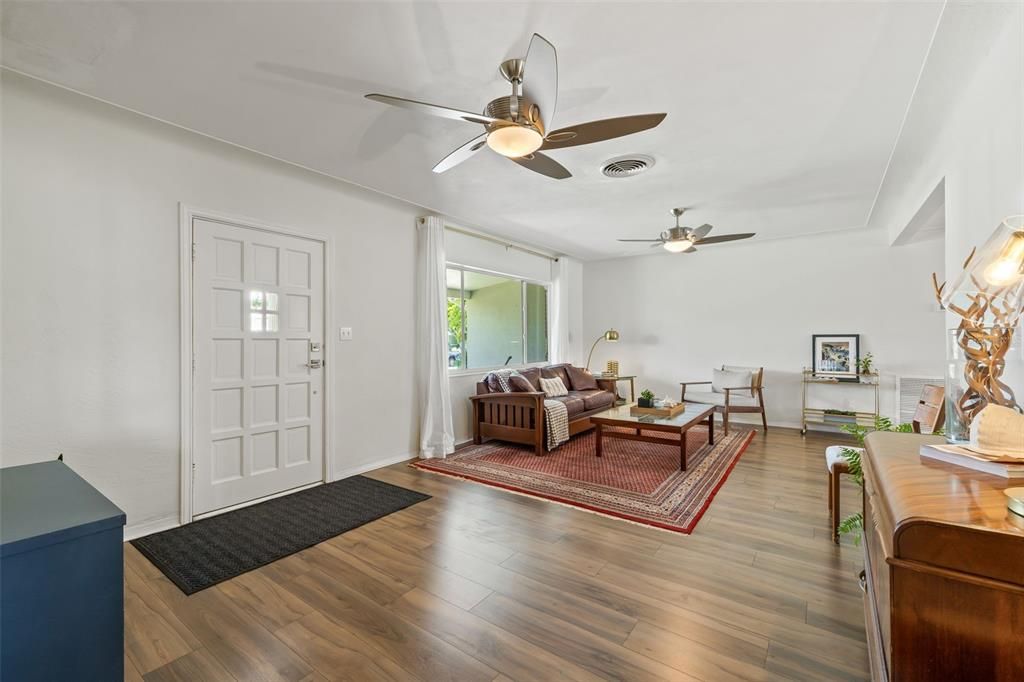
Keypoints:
pixel 345 334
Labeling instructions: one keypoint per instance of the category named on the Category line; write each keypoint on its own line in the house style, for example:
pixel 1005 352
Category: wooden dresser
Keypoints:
pixel 944 568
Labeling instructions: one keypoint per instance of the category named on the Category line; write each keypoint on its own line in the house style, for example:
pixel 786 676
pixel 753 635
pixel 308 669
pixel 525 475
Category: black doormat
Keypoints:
pixel 206 552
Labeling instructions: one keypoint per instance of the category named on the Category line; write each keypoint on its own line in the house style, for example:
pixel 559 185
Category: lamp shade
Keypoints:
pixel 993 279
pixel 611 335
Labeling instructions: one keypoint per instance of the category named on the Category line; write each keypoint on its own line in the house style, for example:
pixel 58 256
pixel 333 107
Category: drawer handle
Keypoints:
pixel 862 578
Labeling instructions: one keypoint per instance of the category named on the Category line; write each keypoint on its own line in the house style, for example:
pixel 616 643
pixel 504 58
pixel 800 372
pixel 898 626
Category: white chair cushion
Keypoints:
pixel 723 378
pixel 755 374
pixel 834 455
pixel 736 398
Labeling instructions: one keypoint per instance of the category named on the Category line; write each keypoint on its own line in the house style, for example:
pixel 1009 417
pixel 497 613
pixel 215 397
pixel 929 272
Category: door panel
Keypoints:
pixel 258 305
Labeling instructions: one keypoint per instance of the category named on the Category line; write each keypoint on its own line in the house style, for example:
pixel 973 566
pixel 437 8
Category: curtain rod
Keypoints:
pixel 495 240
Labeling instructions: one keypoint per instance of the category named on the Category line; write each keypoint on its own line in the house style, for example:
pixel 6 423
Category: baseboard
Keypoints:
pixel 370 466
pixel 138 530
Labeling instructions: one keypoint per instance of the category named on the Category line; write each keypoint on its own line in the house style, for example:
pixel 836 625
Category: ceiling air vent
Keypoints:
pixel 627 166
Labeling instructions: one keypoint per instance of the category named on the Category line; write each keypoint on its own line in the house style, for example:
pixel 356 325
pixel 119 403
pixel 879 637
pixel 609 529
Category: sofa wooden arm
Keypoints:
pixel 532 395
pixel 518 417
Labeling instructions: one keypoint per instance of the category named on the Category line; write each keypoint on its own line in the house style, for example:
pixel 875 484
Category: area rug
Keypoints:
pixel 201 554
pixel 635 481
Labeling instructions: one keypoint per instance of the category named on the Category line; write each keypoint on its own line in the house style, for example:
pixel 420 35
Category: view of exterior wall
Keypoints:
pixel 494 325
pixel 536 323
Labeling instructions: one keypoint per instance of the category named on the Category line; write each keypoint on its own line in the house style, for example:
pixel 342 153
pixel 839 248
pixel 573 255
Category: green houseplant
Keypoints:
pixel 646 398
pixel 855 522
pixel 866 363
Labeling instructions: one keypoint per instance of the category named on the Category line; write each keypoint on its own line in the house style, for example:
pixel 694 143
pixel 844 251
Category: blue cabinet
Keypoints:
pixel 61 577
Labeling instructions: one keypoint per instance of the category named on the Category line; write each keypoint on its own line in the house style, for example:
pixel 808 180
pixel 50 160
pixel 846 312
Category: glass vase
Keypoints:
pixel 984 365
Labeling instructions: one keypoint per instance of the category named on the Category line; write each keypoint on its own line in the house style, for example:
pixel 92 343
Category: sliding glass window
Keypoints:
pixel 495 321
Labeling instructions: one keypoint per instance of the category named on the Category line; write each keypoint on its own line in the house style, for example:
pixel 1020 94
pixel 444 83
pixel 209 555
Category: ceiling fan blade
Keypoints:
pixel 726 238
pixel 700 232
pixel 544 165
pixel 461 154
pixel 640 240
pixel 432 109
pixel 598 131
pixel 540 78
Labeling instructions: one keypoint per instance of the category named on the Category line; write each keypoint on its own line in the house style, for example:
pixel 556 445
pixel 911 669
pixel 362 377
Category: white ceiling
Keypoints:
pixel 781 116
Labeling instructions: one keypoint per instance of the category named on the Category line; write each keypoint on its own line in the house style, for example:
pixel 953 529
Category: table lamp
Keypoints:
pixel 988 296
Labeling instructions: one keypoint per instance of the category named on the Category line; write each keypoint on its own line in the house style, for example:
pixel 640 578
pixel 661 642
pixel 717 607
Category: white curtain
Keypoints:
pixel 437 434
pixel 560 350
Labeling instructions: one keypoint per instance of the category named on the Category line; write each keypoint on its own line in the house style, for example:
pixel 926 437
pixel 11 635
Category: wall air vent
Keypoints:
pixel 627 166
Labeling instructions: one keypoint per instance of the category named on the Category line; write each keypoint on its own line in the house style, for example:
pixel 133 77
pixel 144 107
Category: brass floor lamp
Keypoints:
pixel 611 336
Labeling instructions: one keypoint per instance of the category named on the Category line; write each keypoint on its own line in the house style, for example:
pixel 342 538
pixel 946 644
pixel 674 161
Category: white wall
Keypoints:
pixel 758 303
pixel 90 291
pixel 965 126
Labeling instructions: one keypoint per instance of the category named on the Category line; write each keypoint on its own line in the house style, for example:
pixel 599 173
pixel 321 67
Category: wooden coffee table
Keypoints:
pixel 695 413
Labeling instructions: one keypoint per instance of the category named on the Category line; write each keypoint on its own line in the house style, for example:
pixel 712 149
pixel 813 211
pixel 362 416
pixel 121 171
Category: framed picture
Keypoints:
pixel 836 355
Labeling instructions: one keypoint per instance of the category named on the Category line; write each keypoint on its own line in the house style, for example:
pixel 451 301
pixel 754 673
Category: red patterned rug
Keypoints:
pixel 639 482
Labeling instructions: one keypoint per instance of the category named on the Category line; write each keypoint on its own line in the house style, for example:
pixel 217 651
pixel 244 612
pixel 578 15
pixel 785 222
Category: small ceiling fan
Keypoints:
pixel 680 239
pixel 519 125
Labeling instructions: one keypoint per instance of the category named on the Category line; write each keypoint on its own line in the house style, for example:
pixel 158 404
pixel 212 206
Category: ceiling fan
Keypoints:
pixel 680 239
pixel 519 125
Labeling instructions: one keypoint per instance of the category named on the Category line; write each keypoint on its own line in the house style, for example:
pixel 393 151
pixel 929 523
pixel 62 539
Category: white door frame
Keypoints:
pixel 187 214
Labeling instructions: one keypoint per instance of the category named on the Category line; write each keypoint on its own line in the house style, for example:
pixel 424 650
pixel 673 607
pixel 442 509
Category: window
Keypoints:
pixel 495 321
pixel 263 311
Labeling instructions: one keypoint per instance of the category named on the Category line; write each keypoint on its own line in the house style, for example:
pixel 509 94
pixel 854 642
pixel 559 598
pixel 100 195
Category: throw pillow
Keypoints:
pixel 722 379
pixel 532 375
pixel 520 384
pixel 553 388
pixel 581 379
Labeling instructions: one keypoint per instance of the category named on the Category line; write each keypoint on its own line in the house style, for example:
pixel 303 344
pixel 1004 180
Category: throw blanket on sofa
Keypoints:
pixel 556 416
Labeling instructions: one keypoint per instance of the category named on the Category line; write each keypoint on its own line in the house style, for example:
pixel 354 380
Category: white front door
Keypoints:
pixel 258 331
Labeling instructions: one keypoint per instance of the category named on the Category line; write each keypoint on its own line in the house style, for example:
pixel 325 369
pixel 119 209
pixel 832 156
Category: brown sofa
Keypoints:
pixel 518 417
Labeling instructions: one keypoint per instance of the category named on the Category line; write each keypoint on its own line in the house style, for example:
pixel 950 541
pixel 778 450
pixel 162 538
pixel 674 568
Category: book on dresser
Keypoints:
pixel 1007 467
pixel 943 567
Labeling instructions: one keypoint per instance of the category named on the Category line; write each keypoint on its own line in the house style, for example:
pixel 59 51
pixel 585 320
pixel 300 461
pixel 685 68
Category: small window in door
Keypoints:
pixel 262 311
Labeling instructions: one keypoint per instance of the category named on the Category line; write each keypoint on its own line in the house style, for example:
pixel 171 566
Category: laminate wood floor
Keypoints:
pixel 480 584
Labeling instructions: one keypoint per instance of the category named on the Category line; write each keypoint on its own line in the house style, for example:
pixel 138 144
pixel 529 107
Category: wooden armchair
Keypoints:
pixel 731 400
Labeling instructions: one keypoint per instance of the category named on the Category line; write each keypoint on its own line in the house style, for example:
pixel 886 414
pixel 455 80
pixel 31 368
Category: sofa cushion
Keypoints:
pixel 573 404
pixel 556 371
pixel 581 379
pixel 532 375
pixel 595 400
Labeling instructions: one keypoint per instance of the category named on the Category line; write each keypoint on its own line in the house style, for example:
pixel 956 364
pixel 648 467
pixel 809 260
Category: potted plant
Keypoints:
pixel 865 363
pixel 646 399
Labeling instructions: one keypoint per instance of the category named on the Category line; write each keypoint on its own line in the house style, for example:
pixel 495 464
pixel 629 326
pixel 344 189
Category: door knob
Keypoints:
pixel 315 364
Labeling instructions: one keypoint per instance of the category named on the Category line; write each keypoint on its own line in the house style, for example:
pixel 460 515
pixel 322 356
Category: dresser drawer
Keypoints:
pixel 877 587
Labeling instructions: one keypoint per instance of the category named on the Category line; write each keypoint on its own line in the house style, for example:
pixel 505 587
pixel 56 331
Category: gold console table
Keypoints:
pixel 835 417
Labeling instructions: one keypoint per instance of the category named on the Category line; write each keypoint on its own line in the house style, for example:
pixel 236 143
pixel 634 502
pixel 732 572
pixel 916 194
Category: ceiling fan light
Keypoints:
pixel 514 141
pixel 678 245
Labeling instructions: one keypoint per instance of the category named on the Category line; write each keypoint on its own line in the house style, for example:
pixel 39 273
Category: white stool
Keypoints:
pixel 837 464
